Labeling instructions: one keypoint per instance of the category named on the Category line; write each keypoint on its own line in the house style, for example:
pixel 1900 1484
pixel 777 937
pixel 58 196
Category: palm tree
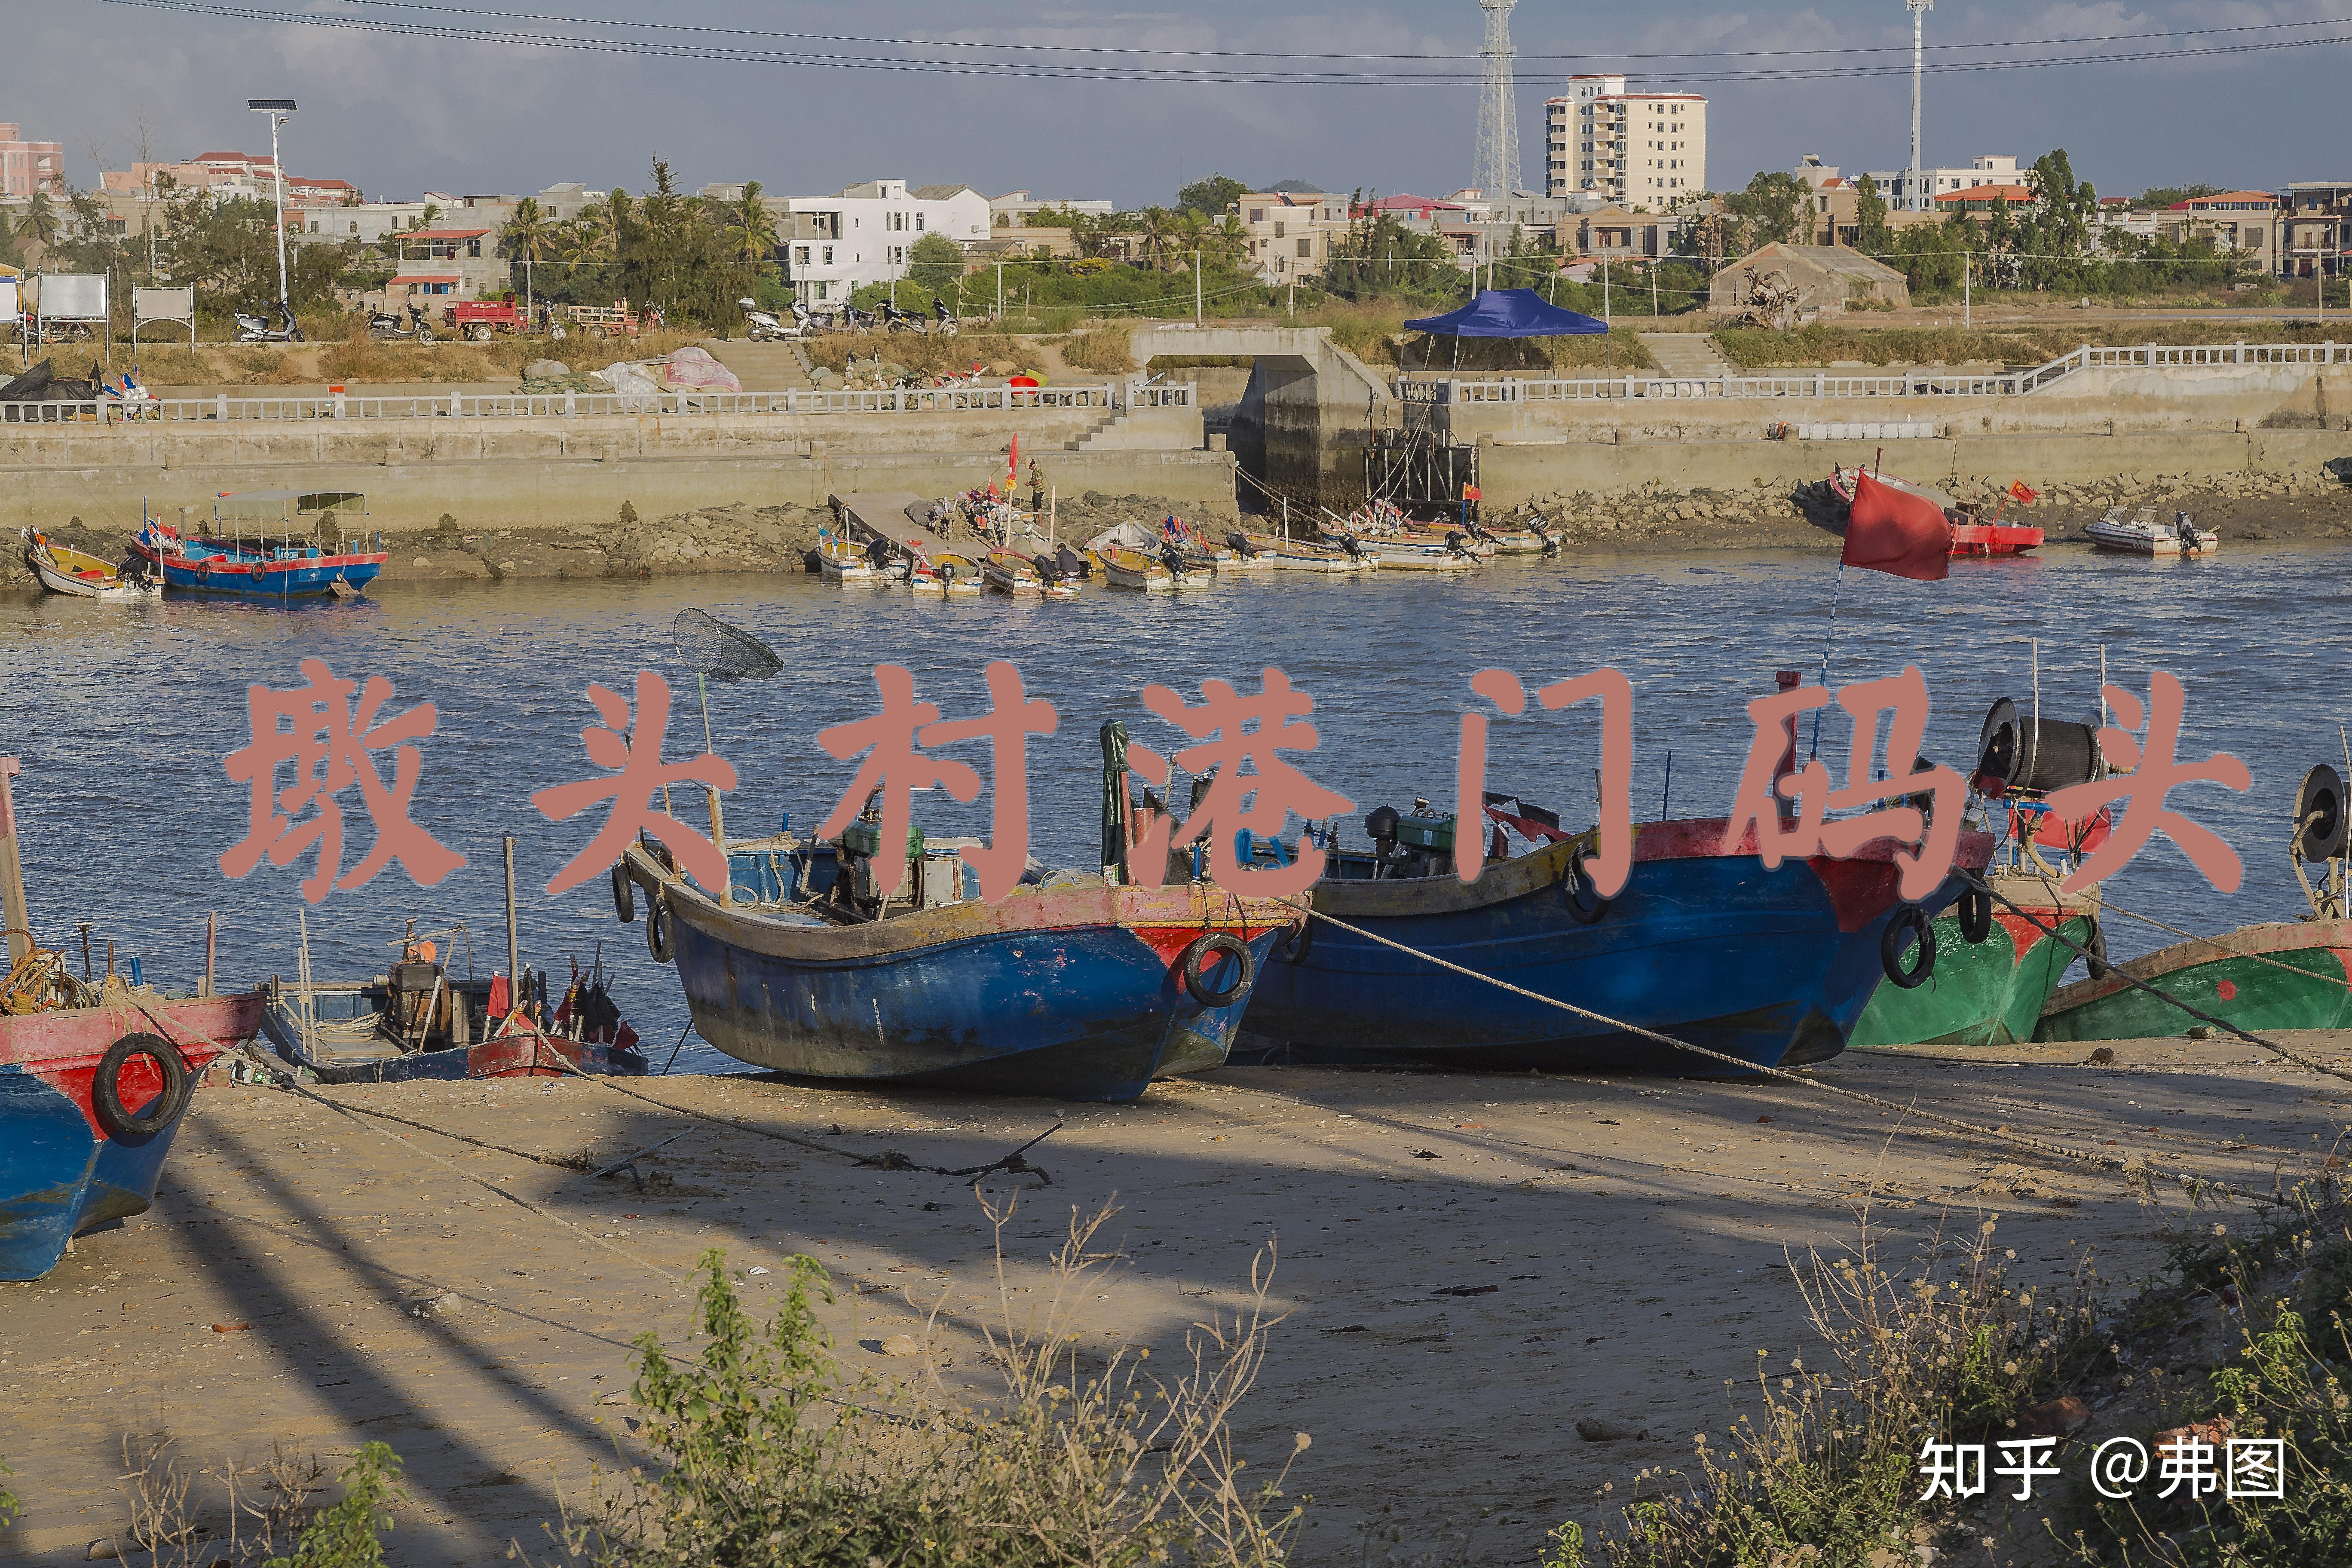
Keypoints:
pixel 41 218
pixel 1158 231
pixel 751 227
pixel 530 235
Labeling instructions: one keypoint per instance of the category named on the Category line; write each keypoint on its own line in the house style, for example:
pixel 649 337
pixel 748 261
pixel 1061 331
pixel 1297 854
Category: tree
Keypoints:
pixel 1158 231
pixel 1871 232
pixel 2063 211
pixel 934 263
pixel 2162 196
pixel 751 227
pixel 1777 208
pixel 1212 197
pixel 1379 254
pixel 41 218
pixel 530 233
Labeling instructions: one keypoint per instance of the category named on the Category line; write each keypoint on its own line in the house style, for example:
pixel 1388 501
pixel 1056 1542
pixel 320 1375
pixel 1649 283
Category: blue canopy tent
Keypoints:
pixel 1506 313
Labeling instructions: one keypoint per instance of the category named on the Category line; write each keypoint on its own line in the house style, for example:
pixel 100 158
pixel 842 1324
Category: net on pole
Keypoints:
pixel 727 655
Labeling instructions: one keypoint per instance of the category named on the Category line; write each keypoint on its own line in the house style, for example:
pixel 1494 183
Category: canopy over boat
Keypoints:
pixel 286 506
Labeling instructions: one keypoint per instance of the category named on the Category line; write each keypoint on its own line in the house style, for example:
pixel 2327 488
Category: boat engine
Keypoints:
pixel 1415 844
pixel 861 876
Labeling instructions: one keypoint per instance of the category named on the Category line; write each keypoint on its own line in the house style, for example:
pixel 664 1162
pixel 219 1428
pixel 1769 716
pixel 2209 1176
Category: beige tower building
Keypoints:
pixel 1636 149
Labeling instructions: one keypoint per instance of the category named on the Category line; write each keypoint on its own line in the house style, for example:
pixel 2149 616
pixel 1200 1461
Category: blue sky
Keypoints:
pixel 401 114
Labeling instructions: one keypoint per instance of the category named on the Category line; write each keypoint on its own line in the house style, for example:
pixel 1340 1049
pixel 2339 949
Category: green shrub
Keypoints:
pixel 348 1534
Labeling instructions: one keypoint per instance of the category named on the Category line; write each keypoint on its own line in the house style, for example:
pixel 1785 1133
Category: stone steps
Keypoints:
pixel 1691 355
pixel 763 367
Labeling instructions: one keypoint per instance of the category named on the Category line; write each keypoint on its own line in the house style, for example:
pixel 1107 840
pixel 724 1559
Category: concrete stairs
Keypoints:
pixel 1085 439
pixel 1688 356
pixel 763 367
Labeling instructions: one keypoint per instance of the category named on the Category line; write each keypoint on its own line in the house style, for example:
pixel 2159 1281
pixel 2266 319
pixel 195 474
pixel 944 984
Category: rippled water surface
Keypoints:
pixel 122 715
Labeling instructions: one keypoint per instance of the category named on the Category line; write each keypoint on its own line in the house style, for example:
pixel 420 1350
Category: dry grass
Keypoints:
pixel 190 1513
pixel 1083 1460
pixel 1757 349
pixel 921 353
pixel 1108 349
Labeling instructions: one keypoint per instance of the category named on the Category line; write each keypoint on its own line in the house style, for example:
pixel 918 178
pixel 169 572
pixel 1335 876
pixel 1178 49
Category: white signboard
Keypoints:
pixel 70 295
pixel 11 307
pixel 163 304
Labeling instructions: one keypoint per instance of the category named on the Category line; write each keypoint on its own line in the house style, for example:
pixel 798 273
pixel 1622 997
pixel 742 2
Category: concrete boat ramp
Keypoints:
pixel 899 517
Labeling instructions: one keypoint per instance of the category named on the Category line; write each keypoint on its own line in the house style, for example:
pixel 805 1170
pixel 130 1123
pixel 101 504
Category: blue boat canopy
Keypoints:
pixel 1508 313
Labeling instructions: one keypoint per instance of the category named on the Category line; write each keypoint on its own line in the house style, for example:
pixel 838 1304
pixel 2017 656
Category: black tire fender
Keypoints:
pixel 1580 894
pixel 1976 915
pixel 1909 921
pixel 2095 964
pixel 625 894
pixel 1202 950
pixel 660 941
pixel 106 1087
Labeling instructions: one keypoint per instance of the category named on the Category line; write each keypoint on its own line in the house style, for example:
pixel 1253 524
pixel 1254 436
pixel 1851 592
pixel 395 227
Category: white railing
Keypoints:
pixel 222 408
pixel 1441 391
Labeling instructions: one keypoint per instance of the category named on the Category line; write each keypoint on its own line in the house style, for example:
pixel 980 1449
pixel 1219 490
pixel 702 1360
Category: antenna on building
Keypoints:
pixel 1920 201
pixel 1496 172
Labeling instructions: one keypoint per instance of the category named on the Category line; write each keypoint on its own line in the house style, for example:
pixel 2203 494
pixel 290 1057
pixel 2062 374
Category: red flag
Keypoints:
pixel 1471 492
pixel 1892 530
pixel 2022 496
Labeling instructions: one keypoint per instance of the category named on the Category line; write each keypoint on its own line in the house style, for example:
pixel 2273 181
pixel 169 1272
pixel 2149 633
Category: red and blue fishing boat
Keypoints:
pixel 1077 986
pixel 269 544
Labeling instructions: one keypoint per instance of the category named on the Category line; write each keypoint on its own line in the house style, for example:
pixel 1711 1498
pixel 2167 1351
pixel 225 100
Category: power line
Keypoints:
pixel 1843 67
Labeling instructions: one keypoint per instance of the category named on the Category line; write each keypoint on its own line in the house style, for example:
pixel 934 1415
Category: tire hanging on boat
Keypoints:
pixel 1976 915
pixel 106 1087
pixel 1908 922
pixel 2095 963
pixel 1580 893
pixel 1205 950
pixel 658 937
pixel 625 894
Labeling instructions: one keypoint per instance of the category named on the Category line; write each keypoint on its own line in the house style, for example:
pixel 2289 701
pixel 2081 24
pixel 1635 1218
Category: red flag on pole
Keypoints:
pixel 2021 495
pixel 1892 530
pixel 1471 492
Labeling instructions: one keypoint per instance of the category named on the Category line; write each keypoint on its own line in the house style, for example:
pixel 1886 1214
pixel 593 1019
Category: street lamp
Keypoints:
pixel 280 111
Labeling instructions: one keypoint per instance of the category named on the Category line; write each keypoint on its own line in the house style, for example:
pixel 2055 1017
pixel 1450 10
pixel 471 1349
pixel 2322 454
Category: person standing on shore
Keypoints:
pixel 1037 488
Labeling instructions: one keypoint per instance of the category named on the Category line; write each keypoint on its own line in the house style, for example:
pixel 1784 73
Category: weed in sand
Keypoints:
pixel 1109 351
pixel 1945 1350
pixel 189 1515
pixel 772 1456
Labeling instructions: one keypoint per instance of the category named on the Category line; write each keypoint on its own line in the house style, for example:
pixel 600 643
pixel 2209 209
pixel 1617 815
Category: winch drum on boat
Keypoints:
pixel 2037 754
pixel 2319 818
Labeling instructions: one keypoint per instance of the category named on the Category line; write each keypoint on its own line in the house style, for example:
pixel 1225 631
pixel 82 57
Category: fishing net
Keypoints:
pixel 710 646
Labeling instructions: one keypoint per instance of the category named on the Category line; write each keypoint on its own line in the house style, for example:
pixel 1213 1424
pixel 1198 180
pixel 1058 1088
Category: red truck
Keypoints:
pixel 481 319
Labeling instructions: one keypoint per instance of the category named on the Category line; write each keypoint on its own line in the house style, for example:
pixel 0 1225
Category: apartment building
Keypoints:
pixel 1985 169
pixel 29 166
pixel 1012 209
pixel 862 235
pixel 1636 149
pixel 1290 232
pixel 2246 221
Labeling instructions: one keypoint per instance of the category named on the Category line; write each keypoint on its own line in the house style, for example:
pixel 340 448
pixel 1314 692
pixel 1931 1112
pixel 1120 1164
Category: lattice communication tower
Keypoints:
pixel 1498 169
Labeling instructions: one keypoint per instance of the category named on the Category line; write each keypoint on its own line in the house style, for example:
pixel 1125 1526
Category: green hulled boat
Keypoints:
pixel 2287 974
pixel 1988 993
pixel 2291 975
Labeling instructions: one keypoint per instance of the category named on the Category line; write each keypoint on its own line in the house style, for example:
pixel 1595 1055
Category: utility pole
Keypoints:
pixel 280 111
pixel 1000 290
pixel 1196 288
pixel 1968 284
pixel 1918 9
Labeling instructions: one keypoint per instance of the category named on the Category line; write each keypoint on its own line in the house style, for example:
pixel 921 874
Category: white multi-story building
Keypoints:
pixel 1642 150
pixel 863 234
pixel 1984 169
pixel 1012 209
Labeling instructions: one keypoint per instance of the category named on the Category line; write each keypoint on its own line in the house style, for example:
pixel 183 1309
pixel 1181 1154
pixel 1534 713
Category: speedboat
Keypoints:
pixel 81 576
pixel 2139 532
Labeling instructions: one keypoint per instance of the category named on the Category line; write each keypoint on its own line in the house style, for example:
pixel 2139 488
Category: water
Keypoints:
pixel 123 716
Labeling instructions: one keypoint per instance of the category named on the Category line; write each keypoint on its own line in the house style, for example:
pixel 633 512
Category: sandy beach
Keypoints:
pixel 1471 1263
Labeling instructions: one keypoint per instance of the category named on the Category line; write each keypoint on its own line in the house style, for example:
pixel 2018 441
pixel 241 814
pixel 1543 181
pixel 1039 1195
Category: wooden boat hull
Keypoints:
pixel 1989 992
pixel 80 575
pixel 522 1053
pixel 1413 558
pixel 1290 555
pixel 307 577
pixel 1773 967
pixel 60 1172
pixel 2226 976
pixel 1071 992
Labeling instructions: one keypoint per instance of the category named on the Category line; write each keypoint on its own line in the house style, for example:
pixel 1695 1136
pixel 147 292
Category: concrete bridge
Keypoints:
pixel 1310 409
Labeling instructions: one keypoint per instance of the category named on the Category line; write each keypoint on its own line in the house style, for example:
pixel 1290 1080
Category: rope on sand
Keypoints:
pixel 2135 1171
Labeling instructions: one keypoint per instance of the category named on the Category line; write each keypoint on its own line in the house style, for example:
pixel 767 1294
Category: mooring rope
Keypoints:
pixel 2130 1170
pixel 2105 903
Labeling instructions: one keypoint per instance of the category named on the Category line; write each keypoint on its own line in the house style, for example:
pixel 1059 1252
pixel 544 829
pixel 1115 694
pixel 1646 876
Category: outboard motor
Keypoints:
pixel 1453 542
pixel 1242 546
pixel 1172 558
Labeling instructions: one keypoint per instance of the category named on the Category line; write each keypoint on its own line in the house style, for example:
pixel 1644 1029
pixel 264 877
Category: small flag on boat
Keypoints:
pixel 1895 531
pixel 2020 494
pixel 1471 492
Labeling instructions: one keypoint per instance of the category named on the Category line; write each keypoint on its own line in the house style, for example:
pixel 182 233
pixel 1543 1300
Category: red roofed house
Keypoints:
pixel 1422 210
pixel 1984 199
pixel 2244 221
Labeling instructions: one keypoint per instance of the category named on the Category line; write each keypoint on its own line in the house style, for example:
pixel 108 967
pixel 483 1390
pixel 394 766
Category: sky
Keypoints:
pixel 401 113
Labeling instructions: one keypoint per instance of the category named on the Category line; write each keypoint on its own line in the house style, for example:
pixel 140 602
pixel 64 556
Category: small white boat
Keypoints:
pixel 1273 554
pixel 840 561
pixel 951 573
pixel 1400 553
pixel 84 577
pixel 2140 531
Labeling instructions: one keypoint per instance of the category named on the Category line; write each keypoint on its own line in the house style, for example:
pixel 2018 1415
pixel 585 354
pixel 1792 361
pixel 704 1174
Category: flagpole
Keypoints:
pixel 1836 593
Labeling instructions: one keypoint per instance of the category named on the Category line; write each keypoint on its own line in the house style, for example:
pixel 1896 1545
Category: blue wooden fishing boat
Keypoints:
pixel 1773 967
pixel 1077 986
pixel 90 1099
pixel 269 544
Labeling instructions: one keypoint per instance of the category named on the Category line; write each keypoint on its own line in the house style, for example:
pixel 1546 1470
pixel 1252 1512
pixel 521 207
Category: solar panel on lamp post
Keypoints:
pixel 279 109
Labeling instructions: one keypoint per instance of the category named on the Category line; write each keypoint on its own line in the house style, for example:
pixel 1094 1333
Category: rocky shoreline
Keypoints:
pixel 1653 520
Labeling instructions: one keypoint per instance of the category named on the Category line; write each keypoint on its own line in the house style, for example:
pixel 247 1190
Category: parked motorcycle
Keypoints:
pixel 384 326
pixel 947 319
pixel 762 325
pixel 895 320
pixel 254 329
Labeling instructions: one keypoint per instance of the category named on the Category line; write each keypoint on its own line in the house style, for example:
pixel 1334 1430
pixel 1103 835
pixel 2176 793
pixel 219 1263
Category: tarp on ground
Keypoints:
pixel 1508 313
